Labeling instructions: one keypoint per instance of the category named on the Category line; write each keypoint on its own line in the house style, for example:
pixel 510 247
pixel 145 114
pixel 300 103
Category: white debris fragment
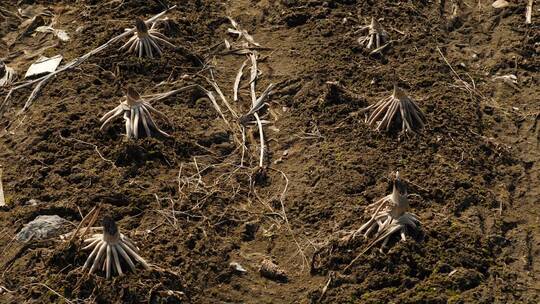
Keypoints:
pixel 43 65
pixel 241 33
pixel 236 266
pixel 509 79
pixel 500 4
pixel 61 34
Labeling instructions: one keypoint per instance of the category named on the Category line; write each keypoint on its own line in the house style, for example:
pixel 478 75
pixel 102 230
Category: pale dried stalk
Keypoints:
pixel 252 82
pixel 377 37
pixel 261 136
pixel 241 33
pixel 528 12
pixel 146 42
pixel 42 81
pixel 238 79
pixel 8 75
pixel 216 106
pixel 243 130
pixel 256 105
pixel 222 96
pixel 2 200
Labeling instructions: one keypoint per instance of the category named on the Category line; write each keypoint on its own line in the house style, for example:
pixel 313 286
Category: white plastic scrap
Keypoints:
pixel 44 65
pixel 236 266
pixel 61 34
pixel 43 227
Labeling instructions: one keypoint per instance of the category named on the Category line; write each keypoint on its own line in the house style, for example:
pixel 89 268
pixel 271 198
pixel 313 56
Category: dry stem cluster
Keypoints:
pixel 146 42
pixel 376 38
pixel 396 109
pixel 136 110
pixel 109 248
pixel 390 217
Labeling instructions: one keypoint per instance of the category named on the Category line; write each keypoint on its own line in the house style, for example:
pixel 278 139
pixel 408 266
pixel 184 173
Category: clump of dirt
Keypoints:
pixel 191 207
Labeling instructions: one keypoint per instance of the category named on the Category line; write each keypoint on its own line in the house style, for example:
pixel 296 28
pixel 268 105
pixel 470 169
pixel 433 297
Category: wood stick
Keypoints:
pixel 90 214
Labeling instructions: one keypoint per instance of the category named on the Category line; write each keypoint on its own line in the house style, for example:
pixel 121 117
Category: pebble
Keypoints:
pixel 43 227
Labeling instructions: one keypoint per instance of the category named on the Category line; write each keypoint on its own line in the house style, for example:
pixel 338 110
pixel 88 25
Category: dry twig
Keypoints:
pixel 87 222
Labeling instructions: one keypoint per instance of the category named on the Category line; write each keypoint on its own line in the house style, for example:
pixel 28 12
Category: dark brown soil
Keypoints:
pixel 473 173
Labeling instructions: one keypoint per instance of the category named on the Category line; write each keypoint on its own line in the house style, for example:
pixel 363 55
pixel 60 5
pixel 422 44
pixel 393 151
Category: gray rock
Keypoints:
pixel 43 227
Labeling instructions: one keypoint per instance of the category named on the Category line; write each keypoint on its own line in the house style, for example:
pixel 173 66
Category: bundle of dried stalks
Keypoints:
pixel 376 38
pixel 390 217
pixel 146 42
pixel 109 247
pixel 396 109
pixel 136 109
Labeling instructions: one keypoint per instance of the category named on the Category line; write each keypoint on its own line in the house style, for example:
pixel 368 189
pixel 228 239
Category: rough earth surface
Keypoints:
pixel 186 201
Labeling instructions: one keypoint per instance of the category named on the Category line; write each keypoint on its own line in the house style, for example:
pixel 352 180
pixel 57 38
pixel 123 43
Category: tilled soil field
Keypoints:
pixel 200 208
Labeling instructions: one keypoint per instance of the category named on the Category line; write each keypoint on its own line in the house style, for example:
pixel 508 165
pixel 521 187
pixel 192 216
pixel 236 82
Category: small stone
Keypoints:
pixel 250 231
pixel 271 271
pixel 43 227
